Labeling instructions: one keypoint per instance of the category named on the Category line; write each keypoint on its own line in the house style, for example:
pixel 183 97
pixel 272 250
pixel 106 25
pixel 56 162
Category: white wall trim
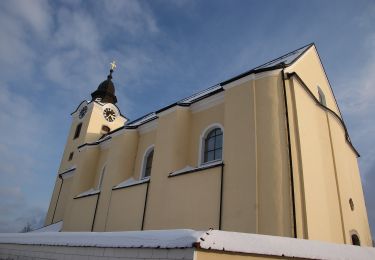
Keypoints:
pixel 145 154
pixel 252 76
pixel 203 137
pixel 69 174
pixel 207 102
pixel 101 177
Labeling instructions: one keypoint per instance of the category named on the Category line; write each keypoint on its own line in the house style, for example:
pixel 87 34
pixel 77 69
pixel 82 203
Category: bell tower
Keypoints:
pixel 90 121
pixel 106 90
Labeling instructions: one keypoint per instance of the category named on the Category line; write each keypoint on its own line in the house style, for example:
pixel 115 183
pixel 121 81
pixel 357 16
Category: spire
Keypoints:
pixel 106 90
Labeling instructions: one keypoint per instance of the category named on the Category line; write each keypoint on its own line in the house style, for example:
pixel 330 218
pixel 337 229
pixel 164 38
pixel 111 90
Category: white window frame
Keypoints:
pixel 143 165
pixel 202 139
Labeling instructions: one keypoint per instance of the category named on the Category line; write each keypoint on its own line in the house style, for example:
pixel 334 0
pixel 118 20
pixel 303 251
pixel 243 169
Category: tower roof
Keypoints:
pixel 105 91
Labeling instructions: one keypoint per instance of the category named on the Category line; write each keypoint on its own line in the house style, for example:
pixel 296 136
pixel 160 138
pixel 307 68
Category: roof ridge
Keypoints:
pixel 216 88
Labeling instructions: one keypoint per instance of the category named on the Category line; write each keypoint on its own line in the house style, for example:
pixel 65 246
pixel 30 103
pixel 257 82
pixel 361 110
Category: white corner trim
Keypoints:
pixel 208 102
pixel 203 137
pixel 68 173
pixel 148 127
pixel 143 166
pixel 168 111
pixel 252 76
pixel 101 176
pixel 89 192
pixel 189 168
pixel 130 182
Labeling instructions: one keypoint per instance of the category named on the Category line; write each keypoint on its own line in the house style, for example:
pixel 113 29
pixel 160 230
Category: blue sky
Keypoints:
pixel 53 54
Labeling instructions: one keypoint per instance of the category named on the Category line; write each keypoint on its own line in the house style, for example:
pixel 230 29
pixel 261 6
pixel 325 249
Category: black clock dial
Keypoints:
pixel 82 112
pixel 109 114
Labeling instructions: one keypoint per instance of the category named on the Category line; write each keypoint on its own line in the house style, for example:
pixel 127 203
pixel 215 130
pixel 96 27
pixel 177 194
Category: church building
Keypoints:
pixel 265 152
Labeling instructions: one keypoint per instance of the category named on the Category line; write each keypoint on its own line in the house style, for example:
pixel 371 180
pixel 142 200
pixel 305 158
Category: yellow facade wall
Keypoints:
pixel 63 199
pixel 81 214
pixel 126 208
pixel 324 163
pixel 119 164
pixel 217 255
pixel 275 216
pixel 310 69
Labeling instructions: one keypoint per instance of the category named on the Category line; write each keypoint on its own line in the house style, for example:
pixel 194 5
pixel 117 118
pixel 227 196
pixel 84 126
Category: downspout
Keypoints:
pixel 221 196
pixel 145 207
pixel 290 155
pixel 58 197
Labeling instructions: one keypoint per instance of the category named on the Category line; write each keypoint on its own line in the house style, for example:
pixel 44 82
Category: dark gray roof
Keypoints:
pixel 283 61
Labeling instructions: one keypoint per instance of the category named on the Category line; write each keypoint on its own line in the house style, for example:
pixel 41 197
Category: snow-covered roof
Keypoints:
pixel 182 238
pixel 209 240
pixel 89 192
pixel 50 228
pixel 198 96
pixel 131 182
pixel 286 59
pixel 189 168
pixel 142 120
pixel 282 246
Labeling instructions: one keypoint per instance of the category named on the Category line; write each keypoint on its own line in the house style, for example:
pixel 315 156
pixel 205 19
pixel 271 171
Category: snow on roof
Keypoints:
pixel 282 246
pixel 131 182
pixel 142 120
pixel 286 59
pixel 198 96
pixel 182 238
pixel 50 228
pixel 189 168
pixel 187 238
pixel 88 192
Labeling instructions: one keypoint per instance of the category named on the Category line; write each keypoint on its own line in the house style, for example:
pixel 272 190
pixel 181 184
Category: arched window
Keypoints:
pixel 147 162
pixel 213 145
pixel 355 240
pixel 78 131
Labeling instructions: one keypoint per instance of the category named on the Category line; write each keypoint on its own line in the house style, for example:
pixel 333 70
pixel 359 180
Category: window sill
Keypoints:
pixel 190 169
pixel 87 193
pixel 131 182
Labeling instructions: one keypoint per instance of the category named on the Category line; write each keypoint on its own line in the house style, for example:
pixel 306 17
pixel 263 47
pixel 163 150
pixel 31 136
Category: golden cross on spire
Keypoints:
pixel 113 65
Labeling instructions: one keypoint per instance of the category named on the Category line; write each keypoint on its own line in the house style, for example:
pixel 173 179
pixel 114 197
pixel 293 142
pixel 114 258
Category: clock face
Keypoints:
pixel 83 112
pixel 109 114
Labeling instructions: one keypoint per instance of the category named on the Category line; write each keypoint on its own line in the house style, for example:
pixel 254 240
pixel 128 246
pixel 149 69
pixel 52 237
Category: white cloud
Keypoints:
pixel 132 16
pixel 16 213
pixel 76 30
pixel 49 49
pixel 34 14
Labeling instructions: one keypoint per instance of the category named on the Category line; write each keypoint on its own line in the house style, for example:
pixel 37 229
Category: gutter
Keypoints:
pixel 96 208
pixel 347 137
